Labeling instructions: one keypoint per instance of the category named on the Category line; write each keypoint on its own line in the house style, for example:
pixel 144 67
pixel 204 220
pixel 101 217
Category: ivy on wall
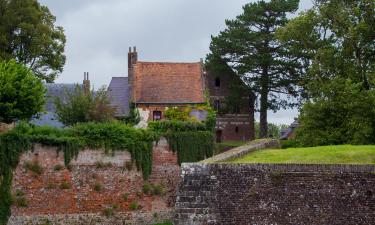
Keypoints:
pixel 193 141
pixel 107 136
pixel 191 146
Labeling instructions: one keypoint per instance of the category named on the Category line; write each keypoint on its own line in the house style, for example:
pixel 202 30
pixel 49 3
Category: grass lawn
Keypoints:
pixel 338 154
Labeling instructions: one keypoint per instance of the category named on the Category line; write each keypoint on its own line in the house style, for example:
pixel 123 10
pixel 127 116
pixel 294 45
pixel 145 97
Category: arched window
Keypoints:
pixel 217 82
pixel 237 130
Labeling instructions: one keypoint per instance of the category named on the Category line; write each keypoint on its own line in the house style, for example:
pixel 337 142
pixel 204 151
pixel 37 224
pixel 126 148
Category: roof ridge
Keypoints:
pixel 149 62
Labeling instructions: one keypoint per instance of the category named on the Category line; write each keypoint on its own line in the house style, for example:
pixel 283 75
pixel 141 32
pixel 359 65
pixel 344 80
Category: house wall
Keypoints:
pixel 275 194
pixel 81 203
pixel 226 123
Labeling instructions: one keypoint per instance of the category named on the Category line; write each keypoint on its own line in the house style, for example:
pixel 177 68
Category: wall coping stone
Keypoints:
pixel 204 168
pixel 243 150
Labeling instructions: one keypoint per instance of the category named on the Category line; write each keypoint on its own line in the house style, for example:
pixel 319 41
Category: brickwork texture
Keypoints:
pixel 275 194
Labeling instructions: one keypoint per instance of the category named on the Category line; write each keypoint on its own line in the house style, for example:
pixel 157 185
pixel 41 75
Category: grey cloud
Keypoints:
pixel 99 32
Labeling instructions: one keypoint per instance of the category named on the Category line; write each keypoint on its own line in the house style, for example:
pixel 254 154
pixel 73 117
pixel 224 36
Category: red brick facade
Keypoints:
pixel 73 191
pixel 230 126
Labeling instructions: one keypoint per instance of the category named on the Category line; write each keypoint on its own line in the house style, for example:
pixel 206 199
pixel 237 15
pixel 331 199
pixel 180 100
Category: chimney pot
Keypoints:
pixel 130 49
pixel 135 49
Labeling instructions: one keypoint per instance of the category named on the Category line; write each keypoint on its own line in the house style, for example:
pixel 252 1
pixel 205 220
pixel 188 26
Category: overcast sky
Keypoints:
pixel 99 33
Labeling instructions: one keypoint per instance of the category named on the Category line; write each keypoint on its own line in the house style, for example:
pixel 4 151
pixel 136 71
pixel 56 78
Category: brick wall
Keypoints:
pixel 276 194
pixel 45 194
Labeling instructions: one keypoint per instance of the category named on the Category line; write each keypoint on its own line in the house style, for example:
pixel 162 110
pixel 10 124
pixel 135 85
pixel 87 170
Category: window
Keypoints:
pixel 236 109
pixel 217 105
pixel 156 115
pixel 217 82
pixel 237 130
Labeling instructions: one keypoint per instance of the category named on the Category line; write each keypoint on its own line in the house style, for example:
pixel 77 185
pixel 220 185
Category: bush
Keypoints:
pixel 108 212
pixel 125 196
pixel 64 185
pixel 21 92
pixel 21 202
pixel 80 106
pixel 98 186
pixel 133 206
pixel 146 188
pixel 158 189
pixel 342 114
pixel 58 167
pixel 34 167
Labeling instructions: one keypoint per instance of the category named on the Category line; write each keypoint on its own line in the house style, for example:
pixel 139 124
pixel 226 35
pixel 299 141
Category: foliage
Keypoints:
pixel 343 114
pixel 81 106
pixel 34 167
pixel 133 205
pixel 250 47
pixel 134 118
pixel 21 93
pixel 28 35
pixel 334 39
pixel 274 130
pixel 334 154
pixel 191 146
pixel 178 113
pixel 175 126
pixel 193 141
pixel 117 136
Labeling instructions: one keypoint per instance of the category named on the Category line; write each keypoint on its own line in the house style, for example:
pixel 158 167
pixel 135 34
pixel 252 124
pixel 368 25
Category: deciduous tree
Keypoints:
pixel 29 35
pixel 21 92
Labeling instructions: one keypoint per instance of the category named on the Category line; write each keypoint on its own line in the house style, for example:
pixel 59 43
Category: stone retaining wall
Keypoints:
pixel 93 183
pixel 275 194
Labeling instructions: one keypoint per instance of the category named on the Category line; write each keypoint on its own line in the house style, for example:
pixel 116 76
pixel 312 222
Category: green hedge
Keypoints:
pixel 193 141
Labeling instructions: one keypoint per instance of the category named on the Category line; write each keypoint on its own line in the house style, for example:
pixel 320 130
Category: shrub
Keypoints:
pixel 108 212
pixel 64 185
pixel 133 206
pixel 79 106
pixel 343 113
pixel 99 165
pixel 34 167
pixel 158 189
pixel 19 193
pixel 21 202
pixel 125 196
pixel 146 188
pixel 98 186
pixel 58 167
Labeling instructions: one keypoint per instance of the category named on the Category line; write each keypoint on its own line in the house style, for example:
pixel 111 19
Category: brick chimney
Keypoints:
pixel 132 60
pixel 86 82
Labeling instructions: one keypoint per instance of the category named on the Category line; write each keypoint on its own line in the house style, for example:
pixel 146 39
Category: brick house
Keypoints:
pixel 234 122
pixel 155 86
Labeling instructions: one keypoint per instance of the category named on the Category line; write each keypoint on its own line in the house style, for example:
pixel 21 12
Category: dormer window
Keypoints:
pixel 217 82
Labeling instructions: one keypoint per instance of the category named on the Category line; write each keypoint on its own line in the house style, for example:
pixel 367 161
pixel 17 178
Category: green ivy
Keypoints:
pixel 191 146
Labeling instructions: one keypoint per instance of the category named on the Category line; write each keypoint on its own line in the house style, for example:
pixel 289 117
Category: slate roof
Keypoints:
pixel 119 95
pixel 286 133
pixel 160 82
pixel 49 118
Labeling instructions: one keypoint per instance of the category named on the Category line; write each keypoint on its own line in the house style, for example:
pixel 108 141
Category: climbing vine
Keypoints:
pixel 193 141
pixel 107 136
pixel 191 146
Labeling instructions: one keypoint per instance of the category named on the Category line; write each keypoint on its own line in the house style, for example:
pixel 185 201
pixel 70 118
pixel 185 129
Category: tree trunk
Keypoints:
pixel 264 105
pixel 251 115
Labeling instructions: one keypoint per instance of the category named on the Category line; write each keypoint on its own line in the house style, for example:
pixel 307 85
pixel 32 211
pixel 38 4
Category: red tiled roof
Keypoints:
pixel 159 82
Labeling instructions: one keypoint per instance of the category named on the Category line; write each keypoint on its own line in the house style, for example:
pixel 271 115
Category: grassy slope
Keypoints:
pixel 340 154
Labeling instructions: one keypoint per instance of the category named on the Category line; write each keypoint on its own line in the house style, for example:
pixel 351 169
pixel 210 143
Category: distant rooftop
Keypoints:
pixel 119 95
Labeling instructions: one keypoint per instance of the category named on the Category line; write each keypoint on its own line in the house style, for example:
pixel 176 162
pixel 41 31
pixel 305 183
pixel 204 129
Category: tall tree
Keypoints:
pixel 334 39
pixel 250 47
pixel 21 92
pixel 28 35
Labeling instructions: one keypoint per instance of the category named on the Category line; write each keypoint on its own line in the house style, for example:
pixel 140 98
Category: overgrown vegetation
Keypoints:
pixel 108 136
pixel 80 105
pixel 193 141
